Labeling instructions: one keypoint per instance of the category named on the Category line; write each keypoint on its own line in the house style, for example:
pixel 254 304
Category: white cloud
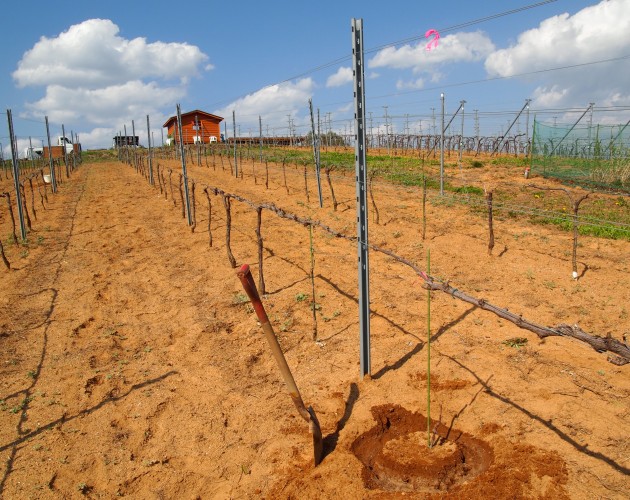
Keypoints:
pixel 407 85
pixel 458 47
pixel 105 106
pixel 93 76
pixel 341 77
pixel 595 33
pixel 274 103
pixel 92 55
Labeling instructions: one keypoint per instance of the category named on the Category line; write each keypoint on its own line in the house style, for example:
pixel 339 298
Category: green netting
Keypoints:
pixel 596 155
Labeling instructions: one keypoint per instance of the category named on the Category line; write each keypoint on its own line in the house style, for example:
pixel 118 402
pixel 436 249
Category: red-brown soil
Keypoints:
pixel 132 367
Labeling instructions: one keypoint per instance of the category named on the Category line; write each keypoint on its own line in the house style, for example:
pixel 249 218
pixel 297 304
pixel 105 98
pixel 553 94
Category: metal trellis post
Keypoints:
pixel 53 179
pixel 235 159
pixel 16 175
pixel 315 154
pixel 184 173
pixel 361 190
pixel 150 152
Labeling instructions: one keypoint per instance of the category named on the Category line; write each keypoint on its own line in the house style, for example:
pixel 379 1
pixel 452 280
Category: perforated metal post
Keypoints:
pixel 315 139
pixel 65 156
pixel 235 158
pixel 150 152
pixel 184 173
pixel 16 175
pixel 361 181
pixel 53 179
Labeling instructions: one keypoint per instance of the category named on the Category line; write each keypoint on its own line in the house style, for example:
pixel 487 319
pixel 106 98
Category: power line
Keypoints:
pixel 471 82
pixel 342 59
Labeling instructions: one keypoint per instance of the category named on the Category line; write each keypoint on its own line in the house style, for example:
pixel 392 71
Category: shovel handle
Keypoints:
pixel 247 280
pixel 245 275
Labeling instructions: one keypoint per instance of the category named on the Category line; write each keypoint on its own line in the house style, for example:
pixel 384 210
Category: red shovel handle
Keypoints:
pixel 247 280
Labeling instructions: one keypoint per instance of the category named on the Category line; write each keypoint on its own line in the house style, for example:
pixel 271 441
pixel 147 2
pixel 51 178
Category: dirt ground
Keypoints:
pixel 131 365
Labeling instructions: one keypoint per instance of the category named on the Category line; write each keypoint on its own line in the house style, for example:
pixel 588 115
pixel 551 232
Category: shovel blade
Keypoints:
pixel 318 440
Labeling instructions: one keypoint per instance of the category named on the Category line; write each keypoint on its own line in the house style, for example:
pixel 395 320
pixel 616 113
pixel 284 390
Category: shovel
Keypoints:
pixel 308 414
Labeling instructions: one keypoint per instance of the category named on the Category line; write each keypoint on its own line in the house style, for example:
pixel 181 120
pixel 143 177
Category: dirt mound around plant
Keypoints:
pixel 396 455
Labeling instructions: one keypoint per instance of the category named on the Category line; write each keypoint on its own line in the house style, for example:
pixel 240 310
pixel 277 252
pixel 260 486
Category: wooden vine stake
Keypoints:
pixel 332 191
pixel 575 205
pixel 4 257
pixel 7 195
pixel 308 199
pixel 228 229
pixel 170 181
pixel 193 208
pixel 261 278
pixel 490 227
pixel 28 219
pixel 376 216
pixel 209 217
pixel 284 174
pixel 181 194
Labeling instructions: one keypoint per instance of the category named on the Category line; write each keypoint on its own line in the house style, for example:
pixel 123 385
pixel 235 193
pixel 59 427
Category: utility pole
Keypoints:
pixel 590 125
pixel 527 127
pixel 497 147
pixel 290 135
pixel 386 129
pixel 477 124
pixel 260 136
pixel 461 138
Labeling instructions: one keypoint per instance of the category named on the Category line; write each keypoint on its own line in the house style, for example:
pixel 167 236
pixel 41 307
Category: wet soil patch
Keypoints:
pixel 396 456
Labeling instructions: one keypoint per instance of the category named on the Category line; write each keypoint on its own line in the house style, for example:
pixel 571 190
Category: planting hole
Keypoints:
pixel 396 457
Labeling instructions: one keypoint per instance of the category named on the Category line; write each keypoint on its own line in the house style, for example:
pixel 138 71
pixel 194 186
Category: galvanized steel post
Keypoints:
pixel 16 175
pixel 150 152
pixel 53 179
pixel 315 139
pixel 65 157
pixel 361 190
pixel 235 159
pixel 184 173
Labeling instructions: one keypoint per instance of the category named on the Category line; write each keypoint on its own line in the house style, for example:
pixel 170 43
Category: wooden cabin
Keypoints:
pixel 197 127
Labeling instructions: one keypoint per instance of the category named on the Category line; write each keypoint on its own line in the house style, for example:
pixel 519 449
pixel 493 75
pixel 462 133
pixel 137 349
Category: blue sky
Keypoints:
pixel 95 66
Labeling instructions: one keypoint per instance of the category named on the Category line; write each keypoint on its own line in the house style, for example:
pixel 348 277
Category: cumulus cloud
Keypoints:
pixel 418 83
pixel 274 102
pixel 92 75
pixel 595 33
pixel 115 103
pixel 341 77
pixel 458 47
pixel 93 55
